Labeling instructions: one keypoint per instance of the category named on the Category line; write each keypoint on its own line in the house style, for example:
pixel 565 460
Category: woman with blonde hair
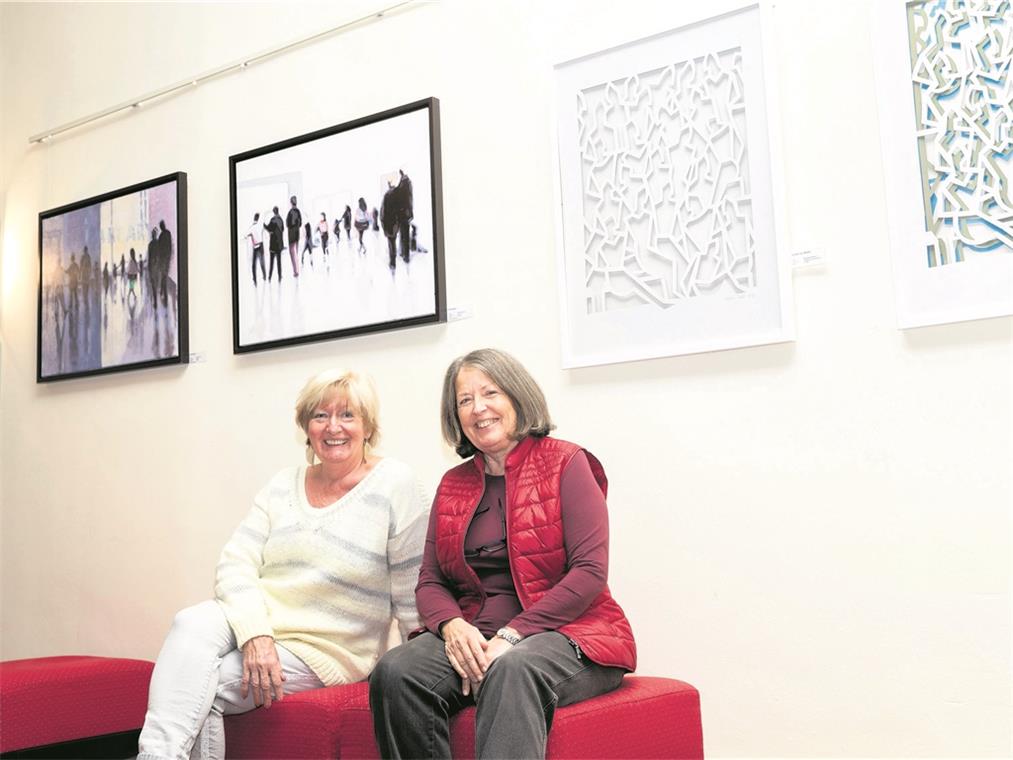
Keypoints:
pixel 306 588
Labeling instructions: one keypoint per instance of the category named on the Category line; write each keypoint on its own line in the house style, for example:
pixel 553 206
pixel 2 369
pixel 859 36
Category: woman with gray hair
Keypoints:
pixel 306 588
pixel 512 592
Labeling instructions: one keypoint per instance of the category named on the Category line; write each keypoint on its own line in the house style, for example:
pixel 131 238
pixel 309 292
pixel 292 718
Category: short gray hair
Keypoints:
pixel 516 382
pixel 361 394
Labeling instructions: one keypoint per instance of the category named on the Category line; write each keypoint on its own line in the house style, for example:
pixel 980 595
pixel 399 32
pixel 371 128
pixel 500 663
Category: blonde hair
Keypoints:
pixel 361 395
pixel 516 382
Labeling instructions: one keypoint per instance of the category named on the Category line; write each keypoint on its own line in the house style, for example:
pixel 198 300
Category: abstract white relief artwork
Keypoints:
pixel 946 113
pixel 667 212
pixel 962 100
pixel 668 231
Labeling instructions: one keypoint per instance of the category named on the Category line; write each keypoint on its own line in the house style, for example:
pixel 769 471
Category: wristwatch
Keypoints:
pixel 509 636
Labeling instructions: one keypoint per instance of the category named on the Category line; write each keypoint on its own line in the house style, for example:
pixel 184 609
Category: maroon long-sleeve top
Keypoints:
pixel 585 536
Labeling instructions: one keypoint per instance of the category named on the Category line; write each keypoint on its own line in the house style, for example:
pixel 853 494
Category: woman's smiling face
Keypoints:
pixel 485 412
pixel 336 430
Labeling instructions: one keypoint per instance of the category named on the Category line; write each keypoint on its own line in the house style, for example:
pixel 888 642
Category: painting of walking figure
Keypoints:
pixel 350 219
pixel 112 282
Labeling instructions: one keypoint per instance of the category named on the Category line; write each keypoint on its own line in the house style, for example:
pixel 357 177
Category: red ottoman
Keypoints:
pixel 48 700
pixel 644 718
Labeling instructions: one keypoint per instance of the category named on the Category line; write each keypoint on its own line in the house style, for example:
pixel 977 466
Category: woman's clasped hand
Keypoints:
pixel 470 652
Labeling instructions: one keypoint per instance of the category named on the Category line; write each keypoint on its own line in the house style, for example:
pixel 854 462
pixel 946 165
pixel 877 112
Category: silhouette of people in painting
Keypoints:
pixel 164 257
pixel 322 228
pixel 255 234
pixel 346 221
pixel 132 271
pixel 276 230
pixel 85 274
pixel 152 263
pixel 293 222
pixel 405 211
pixel 388 221
pixel 73 278
pixel 308 245
pixel 361 222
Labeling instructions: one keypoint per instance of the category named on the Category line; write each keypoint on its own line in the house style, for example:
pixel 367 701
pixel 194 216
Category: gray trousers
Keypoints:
pixel 414 690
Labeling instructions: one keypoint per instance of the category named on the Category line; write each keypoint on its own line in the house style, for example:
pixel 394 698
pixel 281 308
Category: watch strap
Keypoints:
pixel 509 636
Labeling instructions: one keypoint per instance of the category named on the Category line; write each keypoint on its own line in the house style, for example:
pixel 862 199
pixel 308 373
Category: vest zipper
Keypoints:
pixel 576 647
pixel 481 591
pixel 510 544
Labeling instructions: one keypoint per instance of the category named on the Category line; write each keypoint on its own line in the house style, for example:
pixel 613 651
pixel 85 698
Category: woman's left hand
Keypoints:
pixel 497 647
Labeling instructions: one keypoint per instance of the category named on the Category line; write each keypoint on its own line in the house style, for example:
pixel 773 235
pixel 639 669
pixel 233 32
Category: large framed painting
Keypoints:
pixel 112 282
pixel 670 193
pixel 944 86
pixel 339 232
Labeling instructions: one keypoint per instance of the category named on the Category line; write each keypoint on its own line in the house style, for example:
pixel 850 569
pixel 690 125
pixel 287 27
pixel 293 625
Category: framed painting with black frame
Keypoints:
pixel 339 232
pixel 113 282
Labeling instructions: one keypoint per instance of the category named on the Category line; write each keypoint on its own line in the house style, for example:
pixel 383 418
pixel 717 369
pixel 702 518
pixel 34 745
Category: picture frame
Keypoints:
pixel 670 189
pixel 129 311
pixel 942 88
pixel 357 212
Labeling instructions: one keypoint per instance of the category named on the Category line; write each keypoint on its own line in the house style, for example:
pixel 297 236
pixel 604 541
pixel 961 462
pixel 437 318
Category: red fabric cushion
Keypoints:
pixel 56 699
pixel 303 725
pixel 645 718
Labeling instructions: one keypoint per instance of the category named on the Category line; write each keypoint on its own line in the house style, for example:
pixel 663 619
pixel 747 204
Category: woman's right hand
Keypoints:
pixel 262 671
pixel 465 648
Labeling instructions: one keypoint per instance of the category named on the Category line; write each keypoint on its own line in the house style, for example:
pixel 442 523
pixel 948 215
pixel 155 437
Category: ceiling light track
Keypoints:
pixel 241 64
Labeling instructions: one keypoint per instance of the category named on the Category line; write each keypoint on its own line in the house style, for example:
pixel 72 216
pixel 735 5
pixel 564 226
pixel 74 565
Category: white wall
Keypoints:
pixel 816 535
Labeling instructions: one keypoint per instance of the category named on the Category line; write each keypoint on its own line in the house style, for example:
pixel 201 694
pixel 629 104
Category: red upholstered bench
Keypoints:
pixel 644 718
pixel 51 700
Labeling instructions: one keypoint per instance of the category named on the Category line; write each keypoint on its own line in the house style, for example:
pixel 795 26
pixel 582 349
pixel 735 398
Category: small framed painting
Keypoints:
pixel 339 232
pixel 112 282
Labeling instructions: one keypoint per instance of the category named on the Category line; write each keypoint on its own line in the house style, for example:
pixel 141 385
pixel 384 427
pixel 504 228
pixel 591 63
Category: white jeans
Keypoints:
pixel 197 680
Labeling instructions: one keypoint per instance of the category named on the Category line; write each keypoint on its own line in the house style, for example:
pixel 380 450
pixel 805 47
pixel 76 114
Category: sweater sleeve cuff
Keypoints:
pixel 435 618
pixel 246 630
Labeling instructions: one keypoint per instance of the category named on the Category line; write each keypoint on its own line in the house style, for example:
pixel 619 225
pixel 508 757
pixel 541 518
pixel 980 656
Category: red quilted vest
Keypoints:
pixel 534 542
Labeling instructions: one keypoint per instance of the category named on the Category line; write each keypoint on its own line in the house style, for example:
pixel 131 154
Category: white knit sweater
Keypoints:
pixel 326 582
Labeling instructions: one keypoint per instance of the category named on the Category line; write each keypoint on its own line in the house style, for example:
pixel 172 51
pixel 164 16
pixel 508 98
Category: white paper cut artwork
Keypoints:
pixel 668 188
pixel 946 118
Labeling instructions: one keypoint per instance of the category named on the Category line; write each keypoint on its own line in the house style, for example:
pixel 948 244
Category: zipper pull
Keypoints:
pixel 576 648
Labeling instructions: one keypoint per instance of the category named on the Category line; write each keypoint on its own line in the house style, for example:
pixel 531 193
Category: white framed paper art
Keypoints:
pixel 945 94
pixel 669 186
